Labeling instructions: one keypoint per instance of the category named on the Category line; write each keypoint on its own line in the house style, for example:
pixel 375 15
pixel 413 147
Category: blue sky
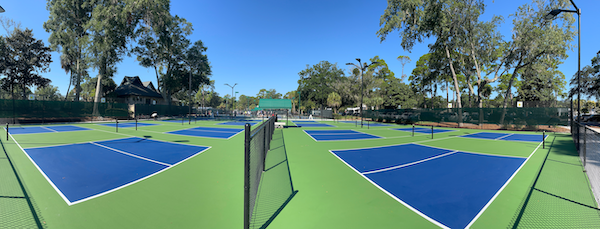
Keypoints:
pixel 264 44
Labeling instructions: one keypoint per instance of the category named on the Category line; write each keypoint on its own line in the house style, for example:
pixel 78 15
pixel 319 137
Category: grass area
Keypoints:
pixel 206 191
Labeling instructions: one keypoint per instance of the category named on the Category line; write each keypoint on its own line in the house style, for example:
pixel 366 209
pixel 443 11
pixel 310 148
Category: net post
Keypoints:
pixel 247 176
pixel 431 131
pixel 117 125
pixel 135 123
pixel 413 130
pixel 584 146
pixel 7 131
pixel 543 139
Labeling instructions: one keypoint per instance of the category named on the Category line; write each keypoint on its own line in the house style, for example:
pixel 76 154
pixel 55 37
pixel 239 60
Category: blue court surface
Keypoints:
pixel 208 132
pixel 507 137
pixel 301 121
pixel 236 123
pixel 371 124
pixel 84 171
pixel 311 124
pixel 43 129
pixel 447 187
pixel 423 130
pixel 338 135
pixel 128 124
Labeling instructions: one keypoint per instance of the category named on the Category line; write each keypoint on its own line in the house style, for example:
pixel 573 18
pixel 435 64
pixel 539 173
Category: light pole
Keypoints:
pixel 362 67
pixel 189 91
pixel 234 98
pixel 231 114
pixel 551 16
pixel 1 9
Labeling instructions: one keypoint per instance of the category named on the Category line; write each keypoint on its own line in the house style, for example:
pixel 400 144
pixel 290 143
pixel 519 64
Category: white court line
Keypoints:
pixel 462 151
pixel 61 194
pixel 147 138
pixel 409 164
pixel 417 211
pixel 505 136
pixel 394 197
pixel 339 140
pixel 502 188
pixel 132 155
pixel 48 129
pixel 373 147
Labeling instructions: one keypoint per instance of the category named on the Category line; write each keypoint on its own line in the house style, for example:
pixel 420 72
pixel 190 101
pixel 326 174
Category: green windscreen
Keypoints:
pixel 507 116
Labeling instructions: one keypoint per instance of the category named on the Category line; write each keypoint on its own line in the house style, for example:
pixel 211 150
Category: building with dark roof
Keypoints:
pixel 133 91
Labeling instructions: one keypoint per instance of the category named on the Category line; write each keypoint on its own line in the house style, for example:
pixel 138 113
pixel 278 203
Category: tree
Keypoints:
pixel 334 100
pixel 203 96
pixel 48 93
pixel 443 20
pixel 403 60
pixel 533 41
pixel 541 81
pixel 88 88
pixel 589 82
pixel 316 82
pixel 272 94
pixel 166 49
pixel 24 58
pixel 68 28
pixel 395 93
pixel 292 95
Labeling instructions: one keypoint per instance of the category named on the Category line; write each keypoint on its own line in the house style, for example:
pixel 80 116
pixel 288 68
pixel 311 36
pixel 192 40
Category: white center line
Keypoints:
pixel 133 155
pixel 49 129
pixel 503 137
pixel 409 164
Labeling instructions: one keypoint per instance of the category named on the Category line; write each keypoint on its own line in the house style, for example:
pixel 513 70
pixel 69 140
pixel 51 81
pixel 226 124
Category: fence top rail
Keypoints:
pixel 259 128
pixel 586 127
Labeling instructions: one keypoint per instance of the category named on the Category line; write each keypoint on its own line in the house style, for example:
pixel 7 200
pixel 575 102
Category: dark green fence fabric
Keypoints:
pixel 505 116
pixel 161 110
pixel 38 109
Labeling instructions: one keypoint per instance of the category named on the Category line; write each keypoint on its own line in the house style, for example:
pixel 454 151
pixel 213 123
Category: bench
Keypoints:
pixel 279 124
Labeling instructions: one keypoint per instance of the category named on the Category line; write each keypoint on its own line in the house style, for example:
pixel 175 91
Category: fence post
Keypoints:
pixel 247 177
pixel 584 146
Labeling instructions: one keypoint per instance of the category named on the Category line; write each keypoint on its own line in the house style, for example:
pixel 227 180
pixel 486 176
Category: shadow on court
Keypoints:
pixel 276 189
pixel 560 195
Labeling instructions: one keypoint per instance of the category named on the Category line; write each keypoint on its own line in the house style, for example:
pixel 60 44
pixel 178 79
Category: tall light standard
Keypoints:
pixel 231 114
pixel 551 16
pixel 189 91
pixel 1 9
pixel 362 67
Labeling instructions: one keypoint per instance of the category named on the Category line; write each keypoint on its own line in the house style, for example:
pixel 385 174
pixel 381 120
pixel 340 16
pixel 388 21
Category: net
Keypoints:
pixel 146 110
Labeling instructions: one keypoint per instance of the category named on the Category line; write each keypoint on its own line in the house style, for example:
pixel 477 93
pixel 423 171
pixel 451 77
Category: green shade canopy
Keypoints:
pixel 273 104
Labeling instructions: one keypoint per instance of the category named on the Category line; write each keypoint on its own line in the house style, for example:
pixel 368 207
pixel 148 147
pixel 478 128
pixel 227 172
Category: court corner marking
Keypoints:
pixel 501 188
pixel 391 195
